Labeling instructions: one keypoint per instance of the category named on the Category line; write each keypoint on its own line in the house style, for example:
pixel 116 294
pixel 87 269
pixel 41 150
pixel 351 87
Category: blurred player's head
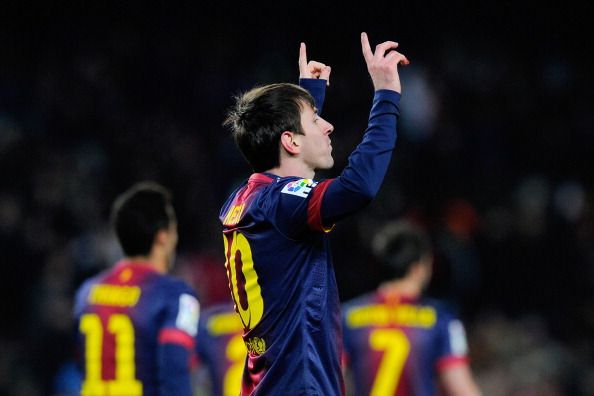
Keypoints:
pixel 259 118
pixel 402 247
pixel 144 221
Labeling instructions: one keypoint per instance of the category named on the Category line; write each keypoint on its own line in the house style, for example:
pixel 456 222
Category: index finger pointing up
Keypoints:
pixel 302 59
pixel 367 53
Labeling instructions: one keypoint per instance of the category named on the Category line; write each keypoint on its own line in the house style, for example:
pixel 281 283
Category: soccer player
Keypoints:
pixel 396 341
pixel 275 224
pixel 221 351
pixel 137 325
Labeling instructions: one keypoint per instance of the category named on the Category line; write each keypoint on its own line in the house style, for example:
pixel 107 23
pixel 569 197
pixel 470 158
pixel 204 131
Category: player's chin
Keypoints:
pixel 328 163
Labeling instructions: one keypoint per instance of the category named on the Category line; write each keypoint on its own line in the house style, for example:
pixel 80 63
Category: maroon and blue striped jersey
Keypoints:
pixel 396 346
pixel 221 350
pixel 279 264
pixel 136 332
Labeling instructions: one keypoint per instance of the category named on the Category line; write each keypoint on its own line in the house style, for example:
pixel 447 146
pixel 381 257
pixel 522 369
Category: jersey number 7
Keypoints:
pixel 395 347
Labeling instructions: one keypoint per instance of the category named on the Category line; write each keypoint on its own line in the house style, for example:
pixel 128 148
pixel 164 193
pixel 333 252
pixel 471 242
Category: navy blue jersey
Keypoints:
pixel 279 265
pixel 396 346
pixel 134 325
pixel 221 349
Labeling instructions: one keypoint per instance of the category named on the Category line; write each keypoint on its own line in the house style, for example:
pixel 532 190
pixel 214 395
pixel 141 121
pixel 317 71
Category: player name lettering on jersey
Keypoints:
pixel 112 295
pixel 382 315
pixel 300 188
pixel 234 215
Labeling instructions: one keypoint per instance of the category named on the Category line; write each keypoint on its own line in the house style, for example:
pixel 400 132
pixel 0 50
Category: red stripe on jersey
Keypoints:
pixel 450 361
pixel 255 181
pixel 194 361
pixel 235 211
pixel 314 207
pixel 174 336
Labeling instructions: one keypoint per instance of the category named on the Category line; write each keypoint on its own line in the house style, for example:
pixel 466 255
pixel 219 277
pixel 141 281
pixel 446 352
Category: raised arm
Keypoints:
pixel 383 64
pixel 312 69
pixel 361 180
pixel 313 76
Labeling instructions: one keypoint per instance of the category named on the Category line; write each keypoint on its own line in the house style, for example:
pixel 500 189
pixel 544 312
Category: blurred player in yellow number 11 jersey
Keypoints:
pixel 137 325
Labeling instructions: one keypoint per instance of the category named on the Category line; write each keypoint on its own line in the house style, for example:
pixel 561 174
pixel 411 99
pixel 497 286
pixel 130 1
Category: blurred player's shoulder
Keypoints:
pixel 363 299
pixel 220 319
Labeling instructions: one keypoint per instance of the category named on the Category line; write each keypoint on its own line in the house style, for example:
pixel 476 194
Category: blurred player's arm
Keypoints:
pixel 174 370
pixel 347 374
pixel 458 381
pixel 177 345
pixel 454 374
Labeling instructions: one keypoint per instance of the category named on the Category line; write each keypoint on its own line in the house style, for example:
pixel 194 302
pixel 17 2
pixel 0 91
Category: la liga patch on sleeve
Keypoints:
pixel 457 338
pixel 188 314
pixel 300 188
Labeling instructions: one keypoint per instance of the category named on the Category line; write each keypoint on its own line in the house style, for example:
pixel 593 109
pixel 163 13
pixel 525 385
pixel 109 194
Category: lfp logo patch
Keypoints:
pixel 300 187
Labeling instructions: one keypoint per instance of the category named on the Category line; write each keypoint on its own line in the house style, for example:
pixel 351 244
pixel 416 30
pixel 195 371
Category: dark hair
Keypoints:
pixel 260 115
pixel 397 246
pixel 138 214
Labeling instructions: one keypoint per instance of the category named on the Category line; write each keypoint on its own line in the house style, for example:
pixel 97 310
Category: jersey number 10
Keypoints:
pixel 243 279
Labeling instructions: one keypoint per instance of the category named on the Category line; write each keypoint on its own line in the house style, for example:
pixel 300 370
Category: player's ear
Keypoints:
pixel 290 142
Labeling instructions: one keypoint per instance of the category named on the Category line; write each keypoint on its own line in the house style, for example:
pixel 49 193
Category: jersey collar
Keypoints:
pixel 262 177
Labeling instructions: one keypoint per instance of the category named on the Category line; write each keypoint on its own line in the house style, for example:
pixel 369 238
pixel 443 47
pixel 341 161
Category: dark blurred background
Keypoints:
pixel 494 158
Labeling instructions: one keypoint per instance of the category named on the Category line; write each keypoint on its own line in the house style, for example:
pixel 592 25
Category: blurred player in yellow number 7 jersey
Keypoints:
pixel 397 342
pixel 137 325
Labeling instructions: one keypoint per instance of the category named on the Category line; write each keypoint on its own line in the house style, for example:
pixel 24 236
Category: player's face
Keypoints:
pixel 316 149
pixel 171 244
pixel 427 267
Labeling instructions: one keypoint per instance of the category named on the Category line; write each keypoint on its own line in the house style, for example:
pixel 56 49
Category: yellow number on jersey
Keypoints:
pixel 396 347
pixel 125 383
pixel 239 257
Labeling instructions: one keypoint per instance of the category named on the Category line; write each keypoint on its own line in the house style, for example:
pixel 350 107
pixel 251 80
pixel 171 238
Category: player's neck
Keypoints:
pixel 153 261
pixel 292 166
pixel 401 287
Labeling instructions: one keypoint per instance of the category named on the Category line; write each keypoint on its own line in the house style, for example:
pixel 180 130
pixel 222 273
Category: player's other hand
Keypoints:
pixel 383 64
pixel 312 69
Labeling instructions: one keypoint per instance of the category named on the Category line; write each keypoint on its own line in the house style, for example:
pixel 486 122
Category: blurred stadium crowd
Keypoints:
pixel 494 159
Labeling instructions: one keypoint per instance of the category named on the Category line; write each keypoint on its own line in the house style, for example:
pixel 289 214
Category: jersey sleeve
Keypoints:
pixel 296 204
pixel 293 206
pixel 361 180
pixel 80 298
pixel 452 346
pixel 177 341
pixel 203 339
pixel 174 370
pixel 317 89
pixel 182 313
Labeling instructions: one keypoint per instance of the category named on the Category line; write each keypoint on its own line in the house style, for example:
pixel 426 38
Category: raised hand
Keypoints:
pixel 383 64
pixel 312 69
